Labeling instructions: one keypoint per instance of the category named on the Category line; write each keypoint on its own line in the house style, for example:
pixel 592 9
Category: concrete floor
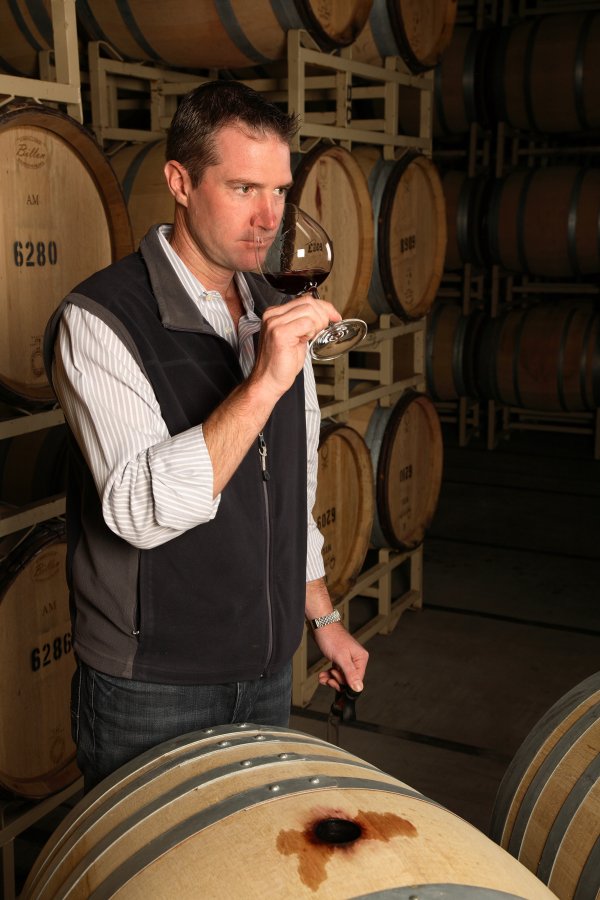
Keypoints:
pixel 510 623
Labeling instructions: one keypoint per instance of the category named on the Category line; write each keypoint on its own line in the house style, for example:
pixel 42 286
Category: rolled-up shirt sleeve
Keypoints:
pixel 153 486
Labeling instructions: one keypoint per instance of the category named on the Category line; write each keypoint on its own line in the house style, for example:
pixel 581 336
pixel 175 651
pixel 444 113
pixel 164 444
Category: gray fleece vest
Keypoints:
pixel 224 601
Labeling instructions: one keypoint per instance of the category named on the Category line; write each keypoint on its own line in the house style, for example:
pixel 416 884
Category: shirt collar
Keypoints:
pixel 193 285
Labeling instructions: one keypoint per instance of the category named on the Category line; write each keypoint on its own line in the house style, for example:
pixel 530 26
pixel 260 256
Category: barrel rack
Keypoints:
pixel 65 87
pixel 113 86
pixel 513 148
pixel 493 150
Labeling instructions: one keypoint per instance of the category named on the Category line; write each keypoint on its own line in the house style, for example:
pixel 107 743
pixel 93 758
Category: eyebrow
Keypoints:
pixel 248 181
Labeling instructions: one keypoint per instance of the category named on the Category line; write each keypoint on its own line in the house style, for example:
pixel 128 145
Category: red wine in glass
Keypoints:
pixel 294 283
pixel 297 261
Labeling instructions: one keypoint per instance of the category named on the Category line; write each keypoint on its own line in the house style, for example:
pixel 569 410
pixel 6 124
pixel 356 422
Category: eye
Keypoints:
pixel 245 188
pixel 281 191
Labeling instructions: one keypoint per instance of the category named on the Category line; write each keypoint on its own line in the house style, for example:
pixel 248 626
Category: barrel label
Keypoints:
pixel 326 518
pixel 33 200
pixel 406 473
pixel 46 566
pixel 30 152
pixel 50 652
pixel 408 243
pixel 35 253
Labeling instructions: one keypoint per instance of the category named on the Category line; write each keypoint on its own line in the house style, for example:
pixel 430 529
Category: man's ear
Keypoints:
pixel 178 181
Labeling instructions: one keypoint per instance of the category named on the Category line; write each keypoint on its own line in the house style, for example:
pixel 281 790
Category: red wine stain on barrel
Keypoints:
pixel 334 831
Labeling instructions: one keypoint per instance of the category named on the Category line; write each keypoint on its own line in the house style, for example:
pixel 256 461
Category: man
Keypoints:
pixel 193 555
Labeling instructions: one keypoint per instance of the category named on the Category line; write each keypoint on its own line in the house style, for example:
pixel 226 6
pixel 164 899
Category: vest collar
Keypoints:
pixel 176 308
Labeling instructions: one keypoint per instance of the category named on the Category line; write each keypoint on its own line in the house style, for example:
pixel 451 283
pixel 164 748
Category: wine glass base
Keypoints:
pixel 338 338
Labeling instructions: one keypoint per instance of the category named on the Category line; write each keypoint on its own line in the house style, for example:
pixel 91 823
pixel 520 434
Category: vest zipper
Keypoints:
pixel 262 449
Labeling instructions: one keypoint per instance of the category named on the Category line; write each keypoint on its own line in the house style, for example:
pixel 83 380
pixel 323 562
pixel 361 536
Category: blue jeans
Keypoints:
pixel 116 719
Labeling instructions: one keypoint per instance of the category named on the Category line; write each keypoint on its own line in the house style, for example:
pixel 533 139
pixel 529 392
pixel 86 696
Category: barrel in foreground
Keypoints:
pixel 199 815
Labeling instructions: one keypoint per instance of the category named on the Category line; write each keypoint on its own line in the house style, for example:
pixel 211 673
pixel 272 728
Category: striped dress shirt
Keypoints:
pixel 154 486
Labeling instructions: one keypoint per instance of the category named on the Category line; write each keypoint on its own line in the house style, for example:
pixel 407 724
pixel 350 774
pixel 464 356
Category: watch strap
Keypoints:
pixel 329 619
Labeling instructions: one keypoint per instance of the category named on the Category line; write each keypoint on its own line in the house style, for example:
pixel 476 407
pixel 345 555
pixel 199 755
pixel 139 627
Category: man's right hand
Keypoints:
pixel 285 333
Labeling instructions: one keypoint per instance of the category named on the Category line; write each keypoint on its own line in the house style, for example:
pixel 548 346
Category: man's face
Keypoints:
pixel 243 193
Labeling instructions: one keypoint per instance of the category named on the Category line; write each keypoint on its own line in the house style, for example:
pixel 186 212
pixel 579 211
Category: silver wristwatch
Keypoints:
pixel 329 619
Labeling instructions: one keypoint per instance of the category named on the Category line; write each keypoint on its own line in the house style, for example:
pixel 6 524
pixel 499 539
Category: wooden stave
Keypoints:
pixel 455 376
pixel 139 169
pixel 522 800
pixel 93 161
pixel 218 34
pixel 25 30
pixel 501 335
pixel 356 551
pixel 352 301
pixel 466 198
pixel 521 200
pixel 21 553
pixel 379 426
pixel 540 99
pixel 385 179
pixel 388 33
pixel 323 778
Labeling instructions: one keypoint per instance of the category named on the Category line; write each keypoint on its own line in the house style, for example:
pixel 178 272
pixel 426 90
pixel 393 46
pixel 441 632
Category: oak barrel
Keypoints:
pixel 330 186
pixel 460 87
pixel 64 217
pixel 544 357
pixel 202 34
pixel 255 812
pixel 450 351
pixel 546 73
pixel 466 202
pixel 37 754
pixel 406 447
pixel 544 221
pixel 547 811
pixel 140 170
pixel 25 29
pixel 344 505
pixel 410 232
pixel 417 32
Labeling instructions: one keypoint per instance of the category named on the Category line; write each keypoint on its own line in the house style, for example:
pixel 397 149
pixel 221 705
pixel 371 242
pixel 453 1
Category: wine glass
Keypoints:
pixel 296 261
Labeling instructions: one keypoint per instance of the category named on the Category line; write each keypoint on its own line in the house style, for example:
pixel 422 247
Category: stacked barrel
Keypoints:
pixel 55 178
pixel 523 207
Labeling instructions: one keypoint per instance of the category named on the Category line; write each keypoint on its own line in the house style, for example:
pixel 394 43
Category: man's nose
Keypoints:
pixel 268 213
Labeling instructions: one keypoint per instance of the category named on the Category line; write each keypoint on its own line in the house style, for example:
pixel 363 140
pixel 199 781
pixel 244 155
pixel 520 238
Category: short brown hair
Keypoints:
pixel 212 106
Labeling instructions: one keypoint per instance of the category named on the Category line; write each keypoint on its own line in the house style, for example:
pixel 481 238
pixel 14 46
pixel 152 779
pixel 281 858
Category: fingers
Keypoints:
pixel 323 311
pixel 347 668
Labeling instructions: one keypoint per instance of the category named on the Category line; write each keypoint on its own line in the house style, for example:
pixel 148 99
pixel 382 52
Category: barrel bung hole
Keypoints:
pixel 337 831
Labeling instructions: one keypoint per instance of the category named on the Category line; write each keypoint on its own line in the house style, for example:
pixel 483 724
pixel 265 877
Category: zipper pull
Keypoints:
pixel 262 449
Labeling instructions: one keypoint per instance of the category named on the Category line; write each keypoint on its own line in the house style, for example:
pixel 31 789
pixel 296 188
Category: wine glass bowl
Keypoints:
pixel 296 260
